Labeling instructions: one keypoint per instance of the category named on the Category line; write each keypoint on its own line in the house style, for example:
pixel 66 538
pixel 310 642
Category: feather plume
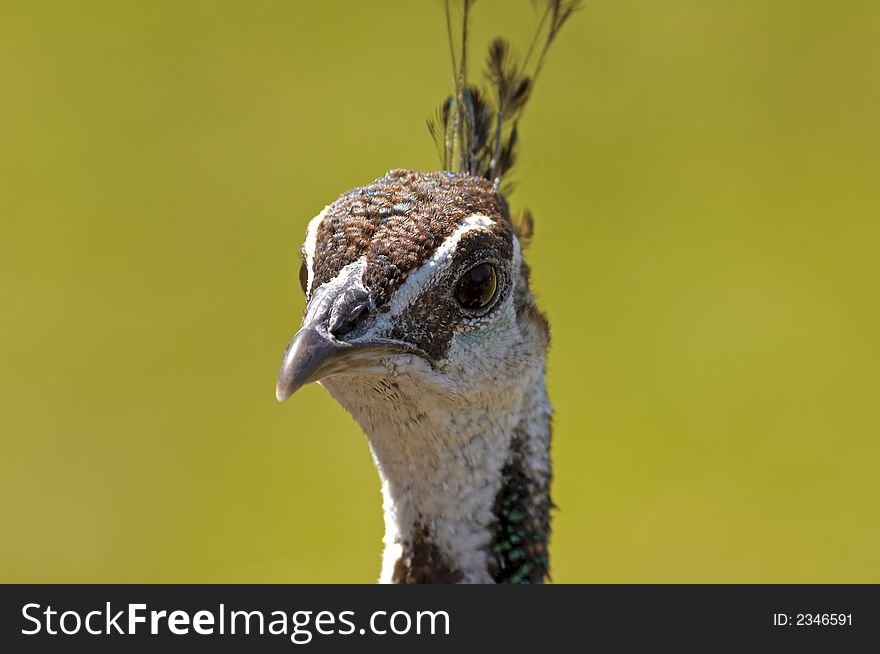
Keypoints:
pixel 475 130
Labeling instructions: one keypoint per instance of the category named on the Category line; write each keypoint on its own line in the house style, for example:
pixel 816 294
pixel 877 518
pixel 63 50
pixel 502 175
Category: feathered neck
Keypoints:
pixel 465 477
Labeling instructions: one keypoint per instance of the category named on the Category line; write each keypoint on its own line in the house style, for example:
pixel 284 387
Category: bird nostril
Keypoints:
pixel 357 312
pixel 348 322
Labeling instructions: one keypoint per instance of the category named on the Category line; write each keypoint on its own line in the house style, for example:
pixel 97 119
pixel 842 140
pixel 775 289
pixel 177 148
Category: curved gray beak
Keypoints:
pixel 320 348
pixel 314 354
pixel 307 358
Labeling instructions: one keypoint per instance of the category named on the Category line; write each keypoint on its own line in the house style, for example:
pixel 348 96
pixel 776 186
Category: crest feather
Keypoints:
pixel 475 129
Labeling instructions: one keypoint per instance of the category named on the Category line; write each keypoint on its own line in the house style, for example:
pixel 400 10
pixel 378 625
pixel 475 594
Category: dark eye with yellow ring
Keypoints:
pixel 476 288
pixel 303 276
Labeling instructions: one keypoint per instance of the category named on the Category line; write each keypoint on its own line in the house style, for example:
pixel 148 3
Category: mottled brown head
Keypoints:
pixel 396 224
pixel 405 265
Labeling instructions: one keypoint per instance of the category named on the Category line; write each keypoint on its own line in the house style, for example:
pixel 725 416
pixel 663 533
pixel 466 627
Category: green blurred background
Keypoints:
pixel 704 177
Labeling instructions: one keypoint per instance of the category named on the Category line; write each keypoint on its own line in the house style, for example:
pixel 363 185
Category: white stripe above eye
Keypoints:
pixel 310 245
pixel 439 261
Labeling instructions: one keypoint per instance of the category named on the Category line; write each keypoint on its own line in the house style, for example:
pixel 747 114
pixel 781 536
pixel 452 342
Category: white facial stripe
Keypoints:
pixel 311 243
pixel 416 281
pixel 517 257
pixel 439 261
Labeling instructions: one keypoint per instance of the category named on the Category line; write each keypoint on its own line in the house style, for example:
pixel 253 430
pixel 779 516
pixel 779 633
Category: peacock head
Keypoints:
pixel 419 277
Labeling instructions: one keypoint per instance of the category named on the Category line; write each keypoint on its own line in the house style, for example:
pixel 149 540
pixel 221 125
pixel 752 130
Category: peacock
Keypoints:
pixel 420 322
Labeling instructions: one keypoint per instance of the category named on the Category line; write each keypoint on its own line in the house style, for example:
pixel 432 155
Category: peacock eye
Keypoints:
pixel 304 276
pixel 476 288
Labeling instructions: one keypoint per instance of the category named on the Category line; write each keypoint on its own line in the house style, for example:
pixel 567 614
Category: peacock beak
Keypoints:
pixel 327 343
pixel 313 355
pixel 309 357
